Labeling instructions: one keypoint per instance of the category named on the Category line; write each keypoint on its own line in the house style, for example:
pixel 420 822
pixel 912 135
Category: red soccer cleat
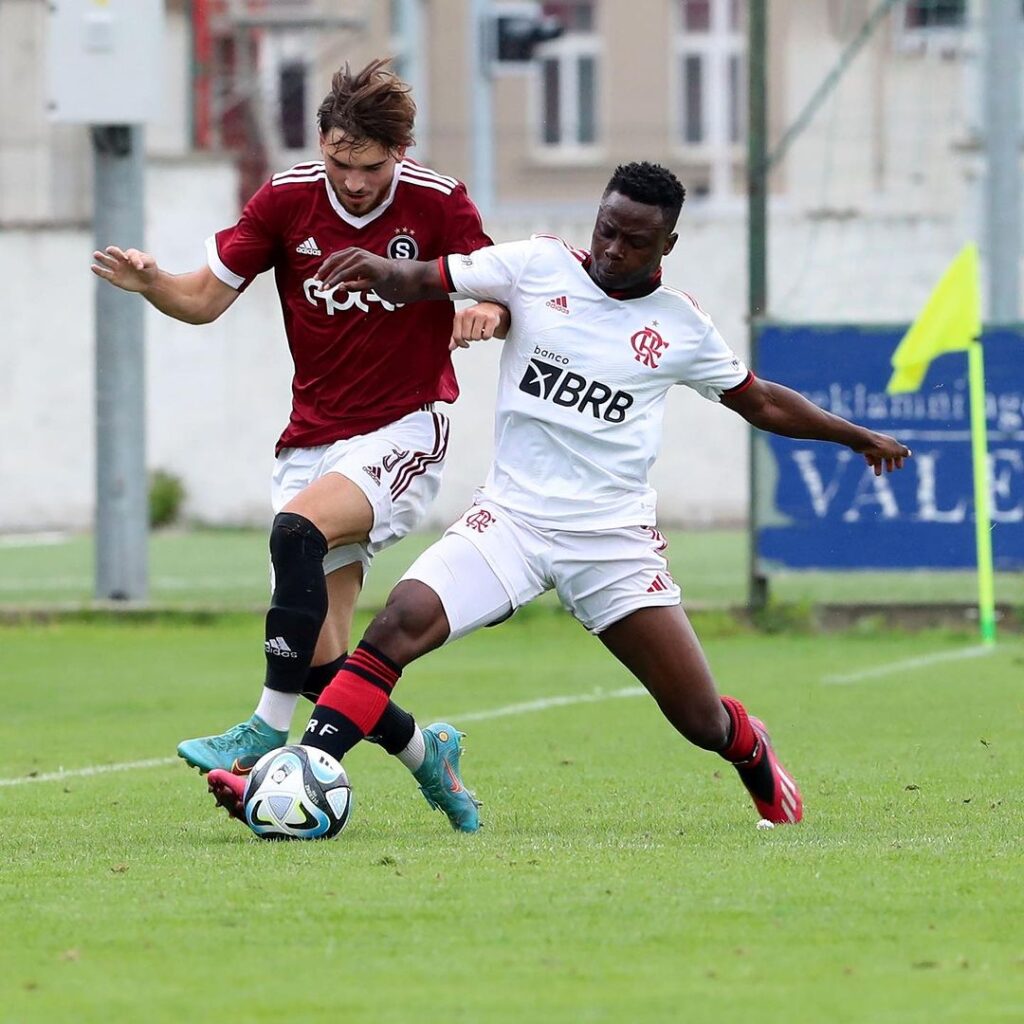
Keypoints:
pixel 228 790
pixel 774 793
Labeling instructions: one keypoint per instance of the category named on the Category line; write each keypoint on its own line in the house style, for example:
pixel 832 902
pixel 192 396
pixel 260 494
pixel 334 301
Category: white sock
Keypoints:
pixel 413 755
pixel 277 708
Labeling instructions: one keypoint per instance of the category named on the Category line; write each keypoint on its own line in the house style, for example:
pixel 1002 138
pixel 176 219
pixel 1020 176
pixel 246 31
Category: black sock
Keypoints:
pixel 331 731
pixel 319 676
pixel 299 605
pixel 394 730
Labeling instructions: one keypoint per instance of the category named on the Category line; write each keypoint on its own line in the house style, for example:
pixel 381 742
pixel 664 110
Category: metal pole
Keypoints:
pixel 121 494
pixel 1002 152
pixel 757 252
pixel 481 46
pixel 410 20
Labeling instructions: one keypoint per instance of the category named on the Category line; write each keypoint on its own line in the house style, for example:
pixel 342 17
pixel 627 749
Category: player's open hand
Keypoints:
pixel 353 270
pixel 130 269
pixel 881 452
pixel 478 323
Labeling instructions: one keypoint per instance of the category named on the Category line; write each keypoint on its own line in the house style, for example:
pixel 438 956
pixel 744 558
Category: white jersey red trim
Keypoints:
pixel 583 382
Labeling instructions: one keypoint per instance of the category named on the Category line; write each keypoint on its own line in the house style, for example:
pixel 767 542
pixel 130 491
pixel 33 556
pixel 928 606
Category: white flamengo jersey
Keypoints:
pixel 583 381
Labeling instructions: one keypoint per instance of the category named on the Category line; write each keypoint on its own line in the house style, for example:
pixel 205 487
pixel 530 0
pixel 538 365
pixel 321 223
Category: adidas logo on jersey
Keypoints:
pixel 373 472
pixel 309 247
pixel 279 646
pixel 561 304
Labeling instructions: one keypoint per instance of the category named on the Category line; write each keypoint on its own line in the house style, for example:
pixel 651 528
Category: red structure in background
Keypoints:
pixel 224 85
pixel 202 71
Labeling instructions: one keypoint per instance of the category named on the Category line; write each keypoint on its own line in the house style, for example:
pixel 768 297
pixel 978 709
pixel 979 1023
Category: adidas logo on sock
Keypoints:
pixel 561 304
pixel 308 247
pixel 279 646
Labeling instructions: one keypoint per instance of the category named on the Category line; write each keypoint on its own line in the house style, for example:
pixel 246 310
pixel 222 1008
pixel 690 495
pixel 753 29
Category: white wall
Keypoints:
pixel 219 395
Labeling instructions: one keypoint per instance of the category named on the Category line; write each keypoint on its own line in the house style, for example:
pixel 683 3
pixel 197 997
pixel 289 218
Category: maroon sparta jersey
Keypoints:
pixel 360 362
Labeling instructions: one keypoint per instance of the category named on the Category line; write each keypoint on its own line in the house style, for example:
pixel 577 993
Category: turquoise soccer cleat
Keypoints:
pixel 440 781
pixel 236 750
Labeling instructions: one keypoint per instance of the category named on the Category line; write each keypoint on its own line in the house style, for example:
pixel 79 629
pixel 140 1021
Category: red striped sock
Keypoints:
pixel 744 745
pixel 362 688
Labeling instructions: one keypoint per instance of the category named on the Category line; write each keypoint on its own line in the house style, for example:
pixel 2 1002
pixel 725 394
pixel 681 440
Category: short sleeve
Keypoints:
pixel 464 231
pixel 490 273
pixel 714 368
pixel 237 254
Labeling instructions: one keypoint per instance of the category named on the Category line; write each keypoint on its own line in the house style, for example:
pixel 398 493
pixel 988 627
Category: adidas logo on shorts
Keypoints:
pixel 308 247
pixel 373 472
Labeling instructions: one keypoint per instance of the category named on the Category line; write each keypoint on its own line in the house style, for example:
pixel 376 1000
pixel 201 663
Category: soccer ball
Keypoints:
pixel 297 792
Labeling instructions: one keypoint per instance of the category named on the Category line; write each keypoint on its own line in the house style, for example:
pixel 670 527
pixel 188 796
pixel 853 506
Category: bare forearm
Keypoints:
pixel 781 410
pixel 788 413
pixel 411 281
pixel 393 280
pixel 184 297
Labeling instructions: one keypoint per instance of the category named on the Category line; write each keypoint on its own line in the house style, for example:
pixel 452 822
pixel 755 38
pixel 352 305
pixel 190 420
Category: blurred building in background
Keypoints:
pixel 877 192
pixel 662 79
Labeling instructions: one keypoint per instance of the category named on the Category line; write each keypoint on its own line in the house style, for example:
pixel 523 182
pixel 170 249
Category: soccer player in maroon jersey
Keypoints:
pixel 360 459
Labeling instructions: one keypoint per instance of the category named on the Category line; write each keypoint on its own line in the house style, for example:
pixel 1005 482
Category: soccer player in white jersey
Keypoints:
pixel 360 459
pixel 595 344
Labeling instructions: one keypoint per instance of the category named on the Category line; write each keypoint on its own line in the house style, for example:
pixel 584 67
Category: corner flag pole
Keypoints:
pixel 951 322
pixel 982 516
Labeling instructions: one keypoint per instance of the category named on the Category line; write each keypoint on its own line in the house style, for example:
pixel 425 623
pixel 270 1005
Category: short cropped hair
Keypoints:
pixel 652 184
pixel 372 105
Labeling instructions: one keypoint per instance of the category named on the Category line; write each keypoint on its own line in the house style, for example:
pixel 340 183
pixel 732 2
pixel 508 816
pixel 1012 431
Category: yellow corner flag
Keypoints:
pixel 949 322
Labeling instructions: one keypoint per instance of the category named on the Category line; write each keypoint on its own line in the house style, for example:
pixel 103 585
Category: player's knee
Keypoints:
pixel 295 539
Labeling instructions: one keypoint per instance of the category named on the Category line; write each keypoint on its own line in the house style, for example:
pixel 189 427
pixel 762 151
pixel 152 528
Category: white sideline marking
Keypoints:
pixel 911 663
pixel 551 702
pixel 80 773
pixel 474 716
pixel 33 540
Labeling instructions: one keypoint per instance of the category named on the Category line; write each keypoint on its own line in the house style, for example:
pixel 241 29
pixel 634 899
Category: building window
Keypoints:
pixel 709 75
pixel 926 14
pixel 292 104
pixel 693 98
pixel 568 79
pixel 931 27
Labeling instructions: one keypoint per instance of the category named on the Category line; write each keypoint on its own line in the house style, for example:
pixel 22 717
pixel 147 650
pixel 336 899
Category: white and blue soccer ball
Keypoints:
pixel 297 792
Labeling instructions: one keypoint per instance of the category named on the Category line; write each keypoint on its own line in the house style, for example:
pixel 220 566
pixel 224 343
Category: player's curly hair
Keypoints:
pixel 372 105
pixel 652 184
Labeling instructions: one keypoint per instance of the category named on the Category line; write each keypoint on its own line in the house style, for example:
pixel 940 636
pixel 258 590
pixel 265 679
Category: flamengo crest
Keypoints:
pixel 479 520
pixel 649 346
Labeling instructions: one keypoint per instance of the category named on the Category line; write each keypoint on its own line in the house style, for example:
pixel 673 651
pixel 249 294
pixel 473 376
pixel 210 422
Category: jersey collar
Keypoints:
pixel 367 218
pixel 651 285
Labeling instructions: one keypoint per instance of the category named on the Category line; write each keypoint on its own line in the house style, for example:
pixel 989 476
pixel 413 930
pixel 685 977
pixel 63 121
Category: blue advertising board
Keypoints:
pixel 821 506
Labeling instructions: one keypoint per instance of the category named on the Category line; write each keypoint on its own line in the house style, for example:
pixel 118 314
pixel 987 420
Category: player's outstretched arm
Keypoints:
pixel 780 410
pixel 354 270
pixel 198 297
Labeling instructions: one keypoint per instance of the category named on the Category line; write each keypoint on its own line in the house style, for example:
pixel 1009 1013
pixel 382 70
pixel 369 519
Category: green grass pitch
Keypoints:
pixel 620 876
pixel 228 568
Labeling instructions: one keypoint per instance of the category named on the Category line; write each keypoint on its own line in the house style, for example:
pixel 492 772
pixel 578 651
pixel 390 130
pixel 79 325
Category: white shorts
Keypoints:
pixel 397 467
pixel 601 576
